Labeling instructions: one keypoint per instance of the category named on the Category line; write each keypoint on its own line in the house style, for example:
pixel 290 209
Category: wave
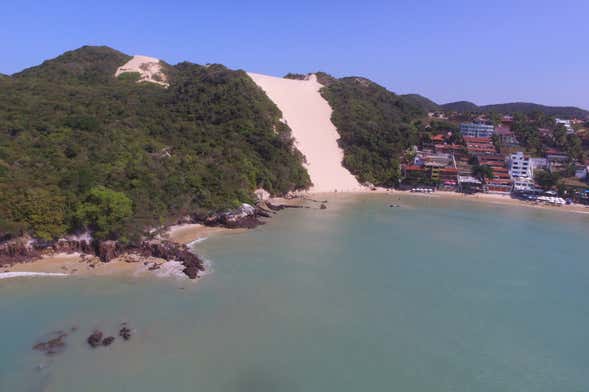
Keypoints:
pixel 196 241
pixel 8 275
pixel 171 269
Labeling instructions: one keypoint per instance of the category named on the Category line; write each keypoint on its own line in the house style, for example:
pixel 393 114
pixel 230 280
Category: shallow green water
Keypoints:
pixel 434 296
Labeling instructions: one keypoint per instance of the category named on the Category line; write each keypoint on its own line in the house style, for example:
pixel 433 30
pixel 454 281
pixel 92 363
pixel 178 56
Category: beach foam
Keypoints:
pixel 8 275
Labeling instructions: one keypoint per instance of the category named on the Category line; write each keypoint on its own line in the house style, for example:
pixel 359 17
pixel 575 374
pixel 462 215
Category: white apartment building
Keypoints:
pixel 523 185
pixel 520 166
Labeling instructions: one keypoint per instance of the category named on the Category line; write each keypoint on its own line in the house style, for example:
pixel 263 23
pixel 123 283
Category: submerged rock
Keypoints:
pixel 125 332
pixel 95 339
pixel 54 345
pixel 108 341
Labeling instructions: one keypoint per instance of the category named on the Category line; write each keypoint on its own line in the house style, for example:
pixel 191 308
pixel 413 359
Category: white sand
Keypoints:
pixel 309 116
pixel 149 68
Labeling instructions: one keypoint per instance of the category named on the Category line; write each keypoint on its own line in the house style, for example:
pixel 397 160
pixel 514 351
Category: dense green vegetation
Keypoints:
pixel 420 101
pixel 80 148
pixel 526 129
pixel 376 126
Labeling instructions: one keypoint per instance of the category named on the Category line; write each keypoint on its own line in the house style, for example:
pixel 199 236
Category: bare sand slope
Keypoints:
pixel 309 116
pixel 149 68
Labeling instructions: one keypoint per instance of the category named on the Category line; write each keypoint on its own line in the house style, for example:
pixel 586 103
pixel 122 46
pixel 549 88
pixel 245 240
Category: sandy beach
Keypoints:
pixel 129 265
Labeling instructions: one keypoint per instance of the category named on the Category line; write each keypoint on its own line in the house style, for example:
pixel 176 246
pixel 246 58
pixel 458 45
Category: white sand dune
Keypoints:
pixel 308 114
pixel 149 68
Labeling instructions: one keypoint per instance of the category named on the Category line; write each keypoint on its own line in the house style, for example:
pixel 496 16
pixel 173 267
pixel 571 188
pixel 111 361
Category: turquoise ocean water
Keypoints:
pixel 437 295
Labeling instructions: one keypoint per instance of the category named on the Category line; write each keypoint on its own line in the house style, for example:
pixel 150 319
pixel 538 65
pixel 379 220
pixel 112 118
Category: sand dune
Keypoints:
pixel 309 116
pixel 149 68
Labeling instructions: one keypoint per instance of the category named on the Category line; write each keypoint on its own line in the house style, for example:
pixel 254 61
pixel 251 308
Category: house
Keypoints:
pixel 557 159
pixel 520 166
pixel 440 138
pixel 506 136
pixel 539 163
pixel 566 123
pixel 477 130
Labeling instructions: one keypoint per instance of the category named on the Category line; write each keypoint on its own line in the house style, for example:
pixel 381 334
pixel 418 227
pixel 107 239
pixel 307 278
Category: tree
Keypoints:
pixel 546 179
pixel 40 211
pixel 105 211
pixel 559 135
pixel 483 172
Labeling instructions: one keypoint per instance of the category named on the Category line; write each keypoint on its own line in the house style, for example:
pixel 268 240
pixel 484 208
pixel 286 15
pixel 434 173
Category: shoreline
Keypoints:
pixel 131 265
pixel 484 198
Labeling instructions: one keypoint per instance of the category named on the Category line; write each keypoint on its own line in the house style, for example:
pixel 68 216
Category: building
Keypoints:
pixel 479 145
pixel 567 124
pixel 539 164
pixel 524 185
pixel 580 171
pixel 506 136
pixel 476 130
pixel 520 166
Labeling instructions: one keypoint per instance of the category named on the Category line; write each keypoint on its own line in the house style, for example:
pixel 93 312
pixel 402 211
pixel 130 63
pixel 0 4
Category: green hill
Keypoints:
pixel 79 147
pixel 419 100
pixel 460 106
pixel 376 126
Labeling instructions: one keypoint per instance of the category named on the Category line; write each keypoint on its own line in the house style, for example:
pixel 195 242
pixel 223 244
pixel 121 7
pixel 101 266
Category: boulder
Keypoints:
pixel 95 339
pixel 108 341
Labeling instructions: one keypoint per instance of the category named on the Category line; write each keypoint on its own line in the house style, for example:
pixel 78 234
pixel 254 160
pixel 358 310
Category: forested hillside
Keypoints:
pixel 376 126
pixel 79 148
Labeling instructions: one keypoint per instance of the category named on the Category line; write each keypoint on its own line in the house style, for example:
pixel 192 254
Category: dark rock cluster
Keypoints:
pixel 55 343
pixel 96 338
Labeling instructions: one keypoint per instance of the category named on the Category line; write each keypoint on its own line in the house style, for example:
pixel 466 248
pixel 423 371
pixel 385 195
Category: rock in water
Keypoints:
pixel 95 339
pixel 108 341
pixel 125 333
pixel 323 207
pixel 54 345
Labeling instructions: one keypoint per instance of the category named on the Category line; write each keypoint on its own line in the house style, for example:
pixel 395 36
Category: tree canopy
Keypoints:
pixel 376 126
pixel 74 139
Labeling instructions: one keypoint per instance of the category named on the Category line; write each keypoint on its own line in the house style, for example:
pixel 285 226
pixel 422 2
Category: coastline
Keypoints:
pixel 127 265
pixel 132 265
pixel 485 198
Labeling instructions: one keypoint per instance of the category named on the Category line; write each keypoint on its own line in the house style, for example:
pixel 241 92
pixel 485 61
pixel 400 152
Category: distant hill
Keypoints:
pixel 515 107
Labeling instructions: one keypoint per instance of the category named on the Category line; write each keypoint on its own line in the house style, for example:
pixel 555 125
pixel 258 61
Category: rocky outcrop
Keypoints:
pixel 18 250
pixel 108 250
pixel 168 250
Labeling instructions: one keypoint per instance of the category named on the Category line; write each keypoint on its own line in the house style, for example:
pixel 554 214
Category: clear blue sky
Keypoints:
pixel 482 51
